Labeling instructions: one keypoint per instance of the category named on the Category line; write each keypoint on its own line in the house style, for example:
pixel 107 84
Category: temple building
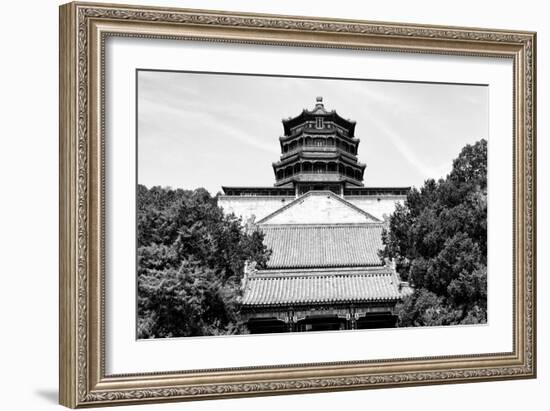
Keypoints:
pixel 324 230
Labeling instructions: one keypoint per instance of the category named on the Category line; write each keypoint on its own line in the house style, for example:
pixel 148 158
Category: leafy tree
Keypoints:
pixel 438 239
pixel 191 259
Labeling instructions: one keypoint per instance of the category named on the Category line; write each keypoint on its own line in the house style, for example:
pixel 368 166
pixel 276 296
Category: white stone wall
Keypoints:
pixel 378 206
pixel 323 211
pixel 246 206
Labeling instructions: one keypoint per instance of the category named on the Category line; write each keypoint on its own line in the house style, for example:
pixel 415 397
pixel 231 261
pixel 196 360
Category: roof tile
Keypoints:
pixel 329 245
pixel 321 287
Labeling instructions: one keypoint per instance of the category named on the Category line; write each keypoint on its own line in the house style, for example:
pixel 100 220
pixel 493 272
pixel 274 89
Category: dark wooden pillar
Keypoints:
pixel 351 319
pixel 291 321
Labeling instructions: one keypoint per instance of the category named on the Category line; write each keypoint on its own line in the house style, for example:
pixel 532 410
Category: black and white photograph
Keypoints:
pixel 270 204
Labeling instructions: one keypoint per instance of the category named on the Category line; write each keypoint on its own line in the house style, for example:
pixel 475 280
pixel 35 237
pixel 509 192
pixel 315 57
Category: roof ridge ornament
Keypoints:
pixel 319 102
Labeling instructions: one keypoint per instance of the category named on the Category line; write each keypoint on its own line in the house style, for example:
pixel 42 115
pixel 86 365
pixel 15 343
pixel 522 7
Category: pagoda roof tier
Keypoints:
pixel 259 191
pixel 333 177
pixel 318 152
pixel 376 191
pixel 318 110
pixel 325 132
pixel 307 287
pixel 324 156
pixel 290 192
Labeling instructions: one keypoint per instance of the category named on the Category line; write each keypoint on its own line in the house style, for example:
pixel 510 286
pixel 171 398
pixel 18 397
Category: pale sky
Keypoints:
pixel 208 130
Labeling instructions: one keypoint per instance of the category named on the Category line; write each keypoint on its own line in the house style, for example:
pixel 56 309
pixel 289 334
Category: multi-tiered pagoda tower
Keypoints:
pixel 324 230
pixel 319 152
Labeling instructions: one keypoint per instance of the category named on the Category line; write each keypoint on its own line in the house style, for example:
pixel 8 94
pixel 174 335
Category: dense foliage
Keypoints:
pixel 438 240
pixel 190 263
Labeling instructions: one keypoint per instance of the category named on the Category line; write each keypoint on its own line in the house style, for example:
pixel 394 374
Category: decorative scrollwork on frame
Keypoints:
pixel 304 384
pixel 183 17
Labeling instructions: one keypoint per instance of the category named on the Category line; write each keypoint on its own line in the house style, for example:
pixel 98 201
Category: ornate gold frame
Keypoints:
pixel 83 30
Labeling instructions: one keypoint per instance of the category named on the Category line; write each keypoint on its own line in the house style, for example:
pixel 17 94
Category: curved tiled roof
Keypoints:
pixel 380 285
pixel 319 110
pixel 323 245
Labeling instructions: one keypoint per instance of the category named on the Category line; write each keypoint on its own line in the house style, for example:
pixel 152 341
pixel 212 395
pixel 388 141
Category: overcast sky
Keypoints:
pixel 208 130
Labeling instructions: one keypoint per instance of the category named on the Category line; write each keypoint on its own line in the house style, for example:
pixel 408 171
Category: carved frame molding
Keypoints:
pixel 83 30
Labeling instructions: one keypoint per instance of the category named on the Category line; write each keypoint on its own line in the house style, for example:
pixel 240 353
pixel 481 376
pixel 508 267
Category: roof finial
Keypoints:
pixel 319 101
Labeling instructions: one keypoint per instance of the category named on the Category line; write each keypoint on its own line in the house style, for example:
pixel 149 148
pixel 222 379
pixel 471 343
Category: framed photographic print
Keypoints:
pixel 259 204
